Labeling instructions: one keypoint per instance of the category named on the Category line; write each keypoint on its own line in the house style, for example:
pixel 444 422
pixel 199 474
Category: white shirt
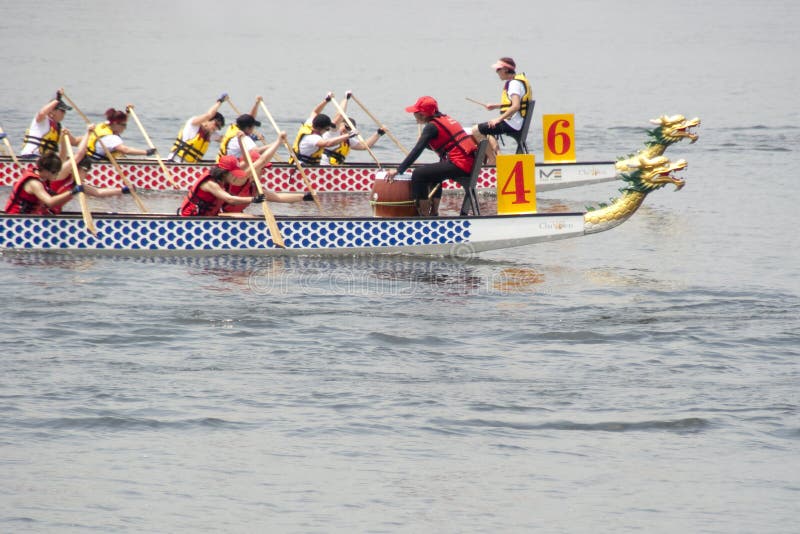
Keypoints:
pixel 37 129
pixel 308 144
pixel 516 87
pixel 233 146
pixel 189 131
pixel 111 142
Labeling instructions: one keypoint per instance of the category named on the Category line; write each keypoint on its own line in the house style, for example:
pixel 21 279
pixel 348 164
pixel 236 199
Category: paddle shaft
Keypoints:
pixel 111 158
pixel 353 128
pixel 236 110
pixel 151 145
pixel 272 224
pixel 76 175
pixel 292 155
pixel 10 150
pixel 371 116
pixel 481 104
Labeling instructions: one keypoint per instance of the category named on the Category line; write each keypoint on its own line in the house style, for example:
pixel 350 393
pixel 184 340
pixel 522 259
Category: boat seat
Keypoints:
pixel 522 142
pixel 469 184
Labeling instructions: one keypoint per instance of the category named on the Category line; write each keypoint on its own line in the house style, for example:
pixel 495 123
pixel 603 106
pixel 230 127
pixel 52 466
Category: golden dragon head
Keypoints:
pixel 672 129
pixel 649 174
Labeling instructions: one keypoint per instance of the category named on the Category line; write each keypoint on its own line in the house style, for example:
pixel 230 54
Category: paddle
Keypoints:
pixel 353 128
pixel 292 155
pixel 87 215
pixel 481 104
pixel 110 157
pixel 235 110
pixel 150 144
pixel 10 150
pixel 379 124
pixel 268 216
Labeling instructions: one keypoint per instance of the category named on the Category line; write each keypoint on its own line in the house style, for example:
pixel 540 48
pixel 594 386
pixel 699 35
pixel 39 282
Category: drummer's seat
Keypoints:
pixel 522 142
pixel 469 184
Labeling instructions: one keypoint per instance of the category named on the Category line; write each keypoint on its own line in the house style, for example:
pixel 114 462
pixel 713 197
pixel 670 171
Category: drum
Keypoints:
pixel 392 199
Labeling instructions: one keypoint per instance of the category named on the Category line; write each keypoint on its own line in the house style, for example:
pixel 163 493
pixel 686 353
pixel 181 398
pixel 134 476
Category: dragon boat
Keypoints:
pixel 459 236
pixel 147 174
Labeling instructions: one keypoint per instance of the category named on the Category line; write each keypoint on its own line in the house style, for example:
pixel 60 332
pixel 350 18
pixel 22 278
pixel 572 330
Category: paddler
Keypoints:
pixel 513 108
pixel 107 135
pixel 445 136
pixel 309 144
pixel 30 193
pixel 207 194
pixel 244 186
pixel 192 142
pixel 65 179
pixel 336 155
pixel 45 129
pixel 246 123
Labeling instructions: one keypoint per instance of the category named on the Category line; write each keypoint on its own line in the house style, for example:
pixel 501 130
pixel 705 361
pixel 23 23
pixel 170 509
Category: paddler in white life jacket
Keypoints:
pixel 109 133
pixel 44 132
pixel 192 141
pixel 309 144
pixel 513 108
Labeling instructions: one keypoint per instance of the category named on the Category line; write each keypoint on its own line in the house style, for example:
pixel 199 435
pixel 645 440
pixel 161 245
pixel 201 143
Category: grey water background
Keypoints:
pixel 645 379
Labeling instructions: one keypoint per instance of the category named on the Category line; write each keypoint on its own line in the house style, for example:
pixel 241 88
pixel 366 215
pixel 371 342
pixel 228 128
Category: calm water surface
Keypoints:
pixel 645 379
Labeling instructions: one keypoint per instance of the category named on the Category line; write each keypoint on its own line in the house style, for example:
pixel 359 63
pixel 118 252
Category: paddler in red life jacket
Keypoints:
pixel 309 144
pixel 44 132
pixel 193 139
pixel 65 179
pixel 207 195
pixel 244 186
pixel 445 136
pixel 513 108
pixel 30 193
pixel 109 133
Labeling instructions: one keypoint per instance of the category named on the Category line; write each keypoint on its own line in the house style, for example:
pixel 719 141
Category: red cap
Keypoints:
pixel 231 164
pixel 254 155
pixel 426 105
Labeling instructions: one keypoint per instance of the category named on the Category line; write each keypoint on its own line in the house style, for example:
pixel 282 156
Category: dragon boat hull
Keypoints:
pixel 451 236
pixel 147 174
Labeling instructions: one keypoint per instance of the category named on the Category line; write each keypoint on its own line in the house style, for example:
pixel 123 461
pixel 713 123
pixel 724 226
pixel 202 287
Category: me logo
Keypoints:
pixel 552 176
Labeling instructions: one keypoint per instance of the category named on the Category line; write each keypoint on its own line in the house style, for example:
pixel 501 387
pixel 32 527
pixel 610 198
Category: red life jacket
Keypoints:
pixel 56 187
pixel 247 189
pixel 20 200
pixel 453 143
pixel 198 202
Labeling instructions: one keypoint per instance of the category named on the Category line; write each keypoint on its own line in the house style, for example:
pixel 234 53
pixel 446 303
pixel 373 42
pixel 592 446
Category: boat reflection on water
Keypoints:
pixel 400 275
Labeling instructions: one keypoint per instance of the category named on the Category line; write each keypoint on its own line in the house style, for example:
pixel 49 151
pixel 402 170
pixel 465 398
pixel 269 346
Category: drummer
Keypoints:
pixel 445 136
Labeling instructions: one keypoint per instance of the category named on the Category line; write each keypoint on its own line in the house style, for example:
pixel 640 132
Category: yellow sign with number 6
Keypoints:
pixel 516 184
pixel 558 133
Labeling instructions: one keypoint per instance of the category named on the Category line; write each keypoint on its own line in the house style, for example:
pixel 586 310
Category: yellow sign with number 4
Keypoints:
pixel 516 184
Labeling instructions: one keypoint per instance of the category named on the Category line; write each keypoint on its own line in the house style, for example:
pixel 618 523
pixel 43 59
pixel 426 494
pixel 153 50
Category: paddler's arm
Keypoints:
pixel 428 134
